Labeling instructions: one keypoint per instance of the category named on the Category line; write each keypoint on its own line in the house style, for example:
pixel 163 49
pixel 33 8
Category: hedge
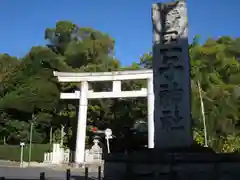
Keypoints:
pixel 12 152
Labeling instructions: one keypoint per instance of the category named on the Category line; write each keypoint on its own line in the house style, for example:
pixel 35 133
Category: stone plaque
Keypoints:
pixel 171 71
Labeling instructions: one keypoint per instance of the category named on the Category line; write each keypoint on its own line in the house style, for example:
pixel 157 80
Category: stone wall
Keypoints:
pixel 177 166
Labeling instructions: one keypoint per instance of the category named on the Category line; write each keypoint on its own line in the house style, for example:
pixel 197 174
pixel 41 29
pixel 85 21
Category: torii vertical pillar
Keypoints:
pixel 81 124
pixel 150 103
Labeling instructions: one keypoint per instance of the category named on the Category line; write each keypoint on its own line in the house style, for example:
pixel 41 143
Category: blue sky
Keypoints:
pixel 127 21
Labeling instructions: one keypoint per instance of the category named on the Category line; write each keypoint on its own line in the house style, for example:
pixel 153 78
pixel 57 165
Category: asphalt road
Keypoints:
pixel 33 173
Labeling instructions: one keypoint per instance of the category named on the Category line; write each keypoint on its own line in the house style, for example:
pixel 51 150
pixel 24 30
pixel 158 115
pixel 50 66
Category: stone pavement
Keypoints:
pixel 33 173
pixel 12 170
pixel 91 168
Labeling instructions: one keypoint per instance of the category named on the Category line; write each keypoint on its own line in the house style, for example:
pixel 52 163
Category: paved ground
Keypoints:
pixel 9 172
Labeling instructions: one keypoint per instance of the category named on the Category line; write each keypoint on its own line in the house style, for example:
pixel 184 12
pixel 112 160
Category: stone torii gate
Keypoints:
pixel 84 94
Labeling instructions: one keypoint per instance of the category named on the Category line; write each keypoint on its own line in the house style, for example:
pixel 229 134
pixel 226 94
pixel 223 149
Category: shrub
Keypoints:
pixel 12 152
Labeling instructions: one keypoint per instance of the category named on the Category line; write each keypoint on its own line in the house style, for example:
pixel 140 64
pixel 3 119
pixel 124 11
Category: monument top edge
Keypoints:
pixel 168 3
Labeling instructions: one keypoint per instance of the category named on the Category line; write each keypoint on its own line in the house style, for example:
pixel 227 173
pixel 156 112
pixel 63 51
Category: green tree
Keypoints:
pixel 27 87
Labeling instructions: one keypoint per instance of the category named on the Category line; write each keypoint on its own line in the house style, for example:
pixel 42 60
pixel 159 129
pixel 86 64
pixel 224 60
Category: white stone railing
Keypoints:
pixel 61 156
pixel 58 156
pixel 48 156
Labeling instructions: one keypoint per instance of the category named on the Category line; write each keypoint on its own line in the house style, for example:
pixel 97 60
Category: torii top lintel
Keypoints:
pixel 103 76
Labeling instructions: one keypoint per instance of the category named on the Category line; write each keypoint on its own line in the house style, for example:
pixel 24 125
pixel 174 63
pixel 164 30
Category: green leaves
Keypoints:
pixel 215 64
pixel 27 86
pixel 218 72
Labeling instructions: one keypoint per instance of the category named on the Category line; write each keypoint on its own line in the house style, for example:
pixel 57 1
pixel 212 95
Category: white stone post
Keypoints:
pixel 82 123
pixel 150 102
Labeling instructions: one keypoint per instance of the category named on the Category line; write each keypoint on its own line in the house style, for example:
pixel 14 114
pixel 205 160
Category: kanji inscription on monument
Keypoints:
pixel 171 71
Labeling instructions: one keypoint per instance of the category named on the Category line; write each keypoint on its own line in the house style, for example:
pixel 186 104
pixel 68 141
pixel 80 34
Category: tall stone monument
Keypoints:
pixel 171 72
pixel 174 156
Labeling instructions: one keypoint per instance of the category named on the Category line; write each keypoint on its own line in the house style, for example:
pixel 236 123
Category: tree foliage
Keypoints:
pixel 28 87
